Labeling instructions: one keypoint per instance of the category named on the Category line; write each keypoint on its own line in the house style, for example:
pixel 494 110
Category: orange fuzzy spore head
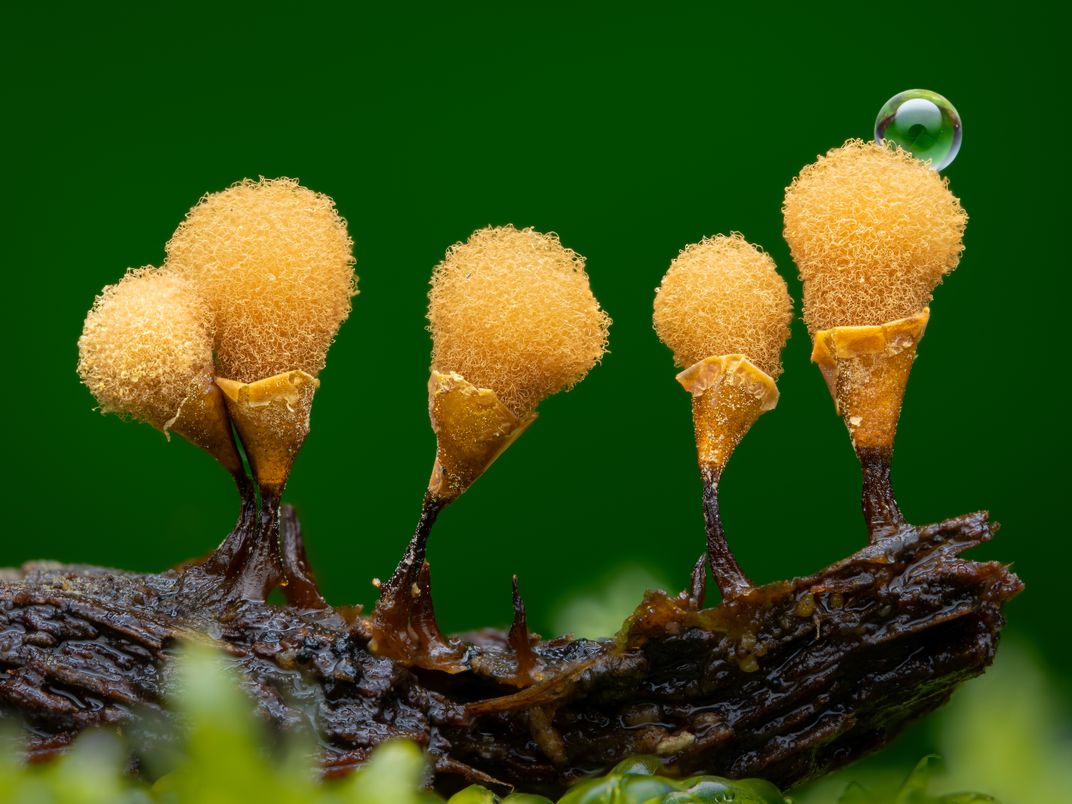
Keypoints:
pixel 511 310
pixel 146 346
pixel 724 296
pixel 274 261
pixel 873 230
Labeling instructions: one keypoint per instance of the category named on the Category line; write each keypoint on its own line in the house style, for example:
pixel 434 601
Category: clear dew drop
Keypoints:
pixel 922 122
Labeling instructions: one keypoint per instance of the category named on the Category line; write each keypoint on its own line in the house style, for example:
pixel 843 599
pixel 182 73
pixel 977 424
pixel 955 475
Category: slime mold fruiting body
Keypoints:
pixel 873 230
pixel 274 262
pixel 724 311
pixel 513 321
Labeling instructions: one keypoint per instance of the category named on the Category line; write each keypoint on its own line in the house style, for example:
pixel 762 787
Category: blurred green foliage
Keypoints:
pixel 915 790
pixel 1004 733
pixel 600 610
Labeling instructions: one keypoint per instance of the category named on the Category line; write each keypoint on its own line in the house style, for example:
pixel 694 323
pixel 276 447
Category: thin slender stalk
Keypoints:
pixel 301 588
pixel 519 640
pixel 728 574
pixel 409 567
pixel 398 595
pixel 697 590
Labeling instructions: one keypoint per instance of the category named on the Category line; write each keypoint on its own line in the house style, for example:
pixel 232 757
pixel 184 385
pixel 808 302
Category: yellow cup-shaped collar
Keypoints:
pixel 472 429
pixel 202 419
pixel 728 394
pixel 866 370
pixel 272 417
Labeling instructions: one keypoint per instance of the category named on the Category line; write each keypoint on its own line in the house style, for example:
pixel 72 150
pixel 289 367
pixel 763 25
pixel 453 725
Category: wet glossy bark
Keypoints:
pixel 785 681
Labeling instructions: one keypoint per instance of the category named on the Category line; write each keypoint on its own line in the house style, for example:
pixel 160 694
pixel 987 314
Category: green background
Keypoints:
pixel 630 133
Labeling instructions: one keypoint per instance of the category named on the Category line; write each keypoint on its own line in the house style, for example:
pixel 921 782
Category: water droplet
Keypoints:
pixel 923 123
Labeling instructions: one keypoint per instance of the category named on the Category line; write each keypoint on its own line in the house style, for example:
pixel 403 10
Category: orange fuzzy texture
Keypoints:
pixel 274 261
pixel 724 296
pixel 873 230
pixel 146 346
pixel 512 310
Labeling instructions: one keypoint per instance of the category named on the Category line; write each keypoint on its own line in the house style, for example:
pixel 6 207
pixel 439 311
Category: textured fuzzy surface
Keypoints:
pixel 723 296
pixel 511 310
pixel 873 230
pixel 146 346
pixel 274 261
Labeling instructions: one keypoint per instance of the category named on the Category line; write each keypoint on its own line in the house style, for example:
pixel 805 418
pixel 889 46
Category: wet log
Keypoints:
pixel 785 682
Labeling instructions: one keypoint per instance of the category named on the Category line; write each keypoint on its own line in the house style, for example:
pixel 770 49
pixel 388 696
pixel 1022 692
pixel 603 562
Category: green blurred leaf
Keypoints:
pixel 634 781
pixel 604 605
pixel 1007 733
pixel 914 790
pixel 475 794
pixel 856 793
pixel 395 775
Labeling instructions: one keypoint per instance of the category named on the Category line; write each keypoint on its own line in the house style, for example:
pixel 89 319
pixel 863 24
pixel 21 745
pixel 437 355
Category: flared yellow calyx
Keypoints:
pixel 203 420
pixel 729 393
pixel 473 428
pixel 866 370
pixel 272 418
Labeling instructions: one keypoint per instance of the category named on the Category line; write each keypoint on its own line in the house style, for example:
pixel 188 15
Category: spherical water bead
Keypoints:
pixel 923 123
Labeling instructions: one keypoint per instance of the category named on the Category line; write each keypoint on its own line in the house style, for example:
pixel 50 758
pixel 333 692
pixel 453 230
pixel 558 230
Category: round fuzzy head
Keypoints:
pixel 274 262
pixel 147 346
pixel 724 296
pixel 511 310
pixel 873 230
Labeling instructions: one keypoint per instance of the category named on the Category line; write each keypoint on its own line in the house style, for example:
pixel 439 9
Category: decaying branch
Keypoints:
pixel 785 681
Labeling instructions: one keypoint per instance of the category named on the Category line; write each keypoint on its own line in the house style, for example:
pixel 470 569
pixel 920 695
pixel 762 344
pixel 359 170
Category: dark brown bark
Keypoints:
pixel 785 681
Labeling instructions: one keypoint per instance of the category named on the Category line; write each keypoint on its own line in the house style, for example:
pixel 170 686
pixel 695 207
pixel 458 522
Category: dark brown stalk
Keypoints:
pixel 300 589
pixel 256 568
pixel 235 542
pixel 410 565
pixel 400 598
pixel 784 681
pixel 727 572
pixel 697 591
pixel 520 641
pixel 881 511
